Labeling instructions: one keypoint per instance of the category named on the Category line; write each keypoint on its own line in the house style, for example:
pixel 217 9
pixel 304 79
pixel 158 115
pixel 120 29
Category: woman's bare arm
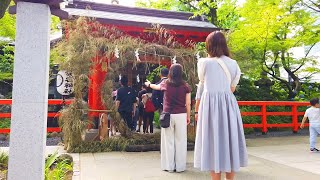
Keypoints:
pixel 197 109
pixel 233 89
pixel 155 86
pixel 188 105
pixel 152 86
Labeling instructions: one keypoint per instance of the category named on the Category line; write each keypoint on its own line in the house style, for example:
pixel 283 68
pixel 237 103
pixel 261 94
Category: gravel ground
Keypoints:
pixel 50 142
pixel 301 132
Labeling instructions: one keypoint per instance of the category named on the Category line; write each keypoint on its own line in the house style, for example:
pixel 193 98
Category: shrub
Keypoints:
pixel 156 119
pixel 5 123
pixel 57 167
pixel 4 158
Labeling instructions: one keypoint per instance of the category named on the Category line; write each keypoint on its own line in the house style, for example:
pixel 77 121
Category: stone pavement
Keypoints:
pixel 269 159
pixel 272 158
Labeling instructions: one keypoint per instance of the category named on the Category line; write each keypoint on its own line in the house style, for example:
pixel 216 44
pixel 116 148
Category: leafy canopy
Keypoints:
pixel 266 35
pixel 222 13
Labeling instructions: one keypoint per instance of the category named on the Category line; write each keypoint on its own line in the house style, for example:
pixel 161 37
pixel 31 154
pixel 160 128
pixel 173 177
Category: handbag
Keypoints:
pixel 165 116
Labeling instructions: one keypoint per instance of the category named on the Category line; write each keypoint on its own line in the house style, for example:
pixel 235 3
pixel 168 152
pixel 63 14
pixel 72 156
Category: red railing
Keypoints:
pixel 294 113
pixel 50 114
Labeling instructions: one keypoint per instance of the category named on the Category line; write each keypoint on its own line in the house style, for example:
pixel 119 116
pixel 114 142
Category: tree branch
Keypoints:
pixel 309 75
pixel 304 59
pixel 317 10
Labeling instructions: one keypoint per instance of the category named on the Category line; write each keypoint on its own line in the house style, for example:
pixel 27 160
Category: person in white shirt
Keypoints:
pixel 313 114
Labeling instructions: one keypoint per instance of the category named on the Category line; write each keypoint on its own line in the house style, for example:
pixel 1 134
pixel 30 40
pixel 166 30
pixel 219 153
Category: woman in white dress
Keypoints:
pixel 220 143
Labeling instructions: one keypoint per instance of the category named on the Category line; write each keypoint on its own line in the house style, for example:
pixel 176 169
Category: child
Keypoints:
pixel 313 114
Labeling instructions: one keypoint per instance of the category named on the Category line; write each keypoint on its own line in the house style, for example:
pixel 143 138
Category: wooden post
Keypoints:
pixel 295 125
pixel 264 119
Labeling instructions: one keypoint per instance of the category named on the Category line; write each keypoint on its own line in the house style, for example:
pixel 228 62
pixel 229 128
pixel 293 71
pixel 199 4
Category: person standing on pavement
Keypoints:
pixel 149 109
pixel 313 114
pixel 157 95
pixel 141 106
pixel 220 145
pixel 126 102
pixel 176 101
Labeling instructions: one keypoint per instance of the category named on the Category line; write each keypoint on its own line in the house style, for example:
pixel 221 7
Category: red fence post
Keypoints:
pixel 295 125
pixel 264 119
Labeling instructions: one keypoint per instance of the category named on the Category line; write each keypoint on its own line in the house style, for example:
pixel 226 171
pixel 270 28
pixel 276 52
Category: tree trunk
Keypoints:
pixel 213 14
pixel 3 7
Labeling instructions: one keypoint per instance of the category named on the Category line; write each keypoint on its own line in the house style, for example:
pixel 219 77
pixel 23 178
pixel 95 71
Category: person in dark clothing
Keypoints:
pixel 141 106
pixel 126 102
pixel 157 95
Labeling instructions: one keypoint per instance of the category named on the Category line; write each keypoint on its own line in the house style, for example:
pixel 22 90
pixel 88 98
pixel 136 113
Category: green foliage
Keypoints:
pixel 7 21
pixel 222 13
pixel 6 62
pixel 5 123
pixel 55 23
pixel 49 162
pixel 4 158
pixel 267 32
pixel 152 76
pixel 57 168
pixel 156 119
pixel 159 4
pixel 247 91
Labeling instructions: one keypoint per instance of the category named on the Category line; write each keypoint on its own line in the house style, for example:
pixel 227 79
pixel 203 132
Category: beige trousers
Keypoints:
pixel 174 144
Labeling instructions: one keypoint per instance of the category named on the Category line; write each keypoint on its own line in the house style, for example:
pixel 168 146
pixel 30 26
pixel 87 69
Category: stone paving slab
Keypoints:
pixel 269 159
pixel 141 166
pixel 289 151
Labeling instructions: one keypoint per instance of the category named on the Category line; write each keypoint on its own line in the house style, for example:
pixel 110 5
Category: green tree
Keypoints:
pixel 222 13
pixel 160 4
pixel 6 62
pixel 266 34
pixel 4 4
pixel 7 21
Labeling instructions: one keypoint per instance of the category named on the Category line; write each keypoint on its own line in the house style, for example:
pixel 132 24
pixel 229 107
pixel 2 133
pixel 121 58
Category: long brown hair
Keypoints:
pixel 216 44
pixel 175 75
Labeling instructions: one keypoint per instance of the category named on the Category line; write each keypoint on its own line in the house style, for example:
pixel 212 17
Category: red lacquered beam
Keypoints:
pixel 4 131
pixel 272 103
pixel 252 125
pixel 251 113
pixel 5 101
pixel 5 115
pixel 58 101
pixel 7 130
pixel 279 113
pixel 8 115
pixel 53 129
pixel 53 114
pixel 279 125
